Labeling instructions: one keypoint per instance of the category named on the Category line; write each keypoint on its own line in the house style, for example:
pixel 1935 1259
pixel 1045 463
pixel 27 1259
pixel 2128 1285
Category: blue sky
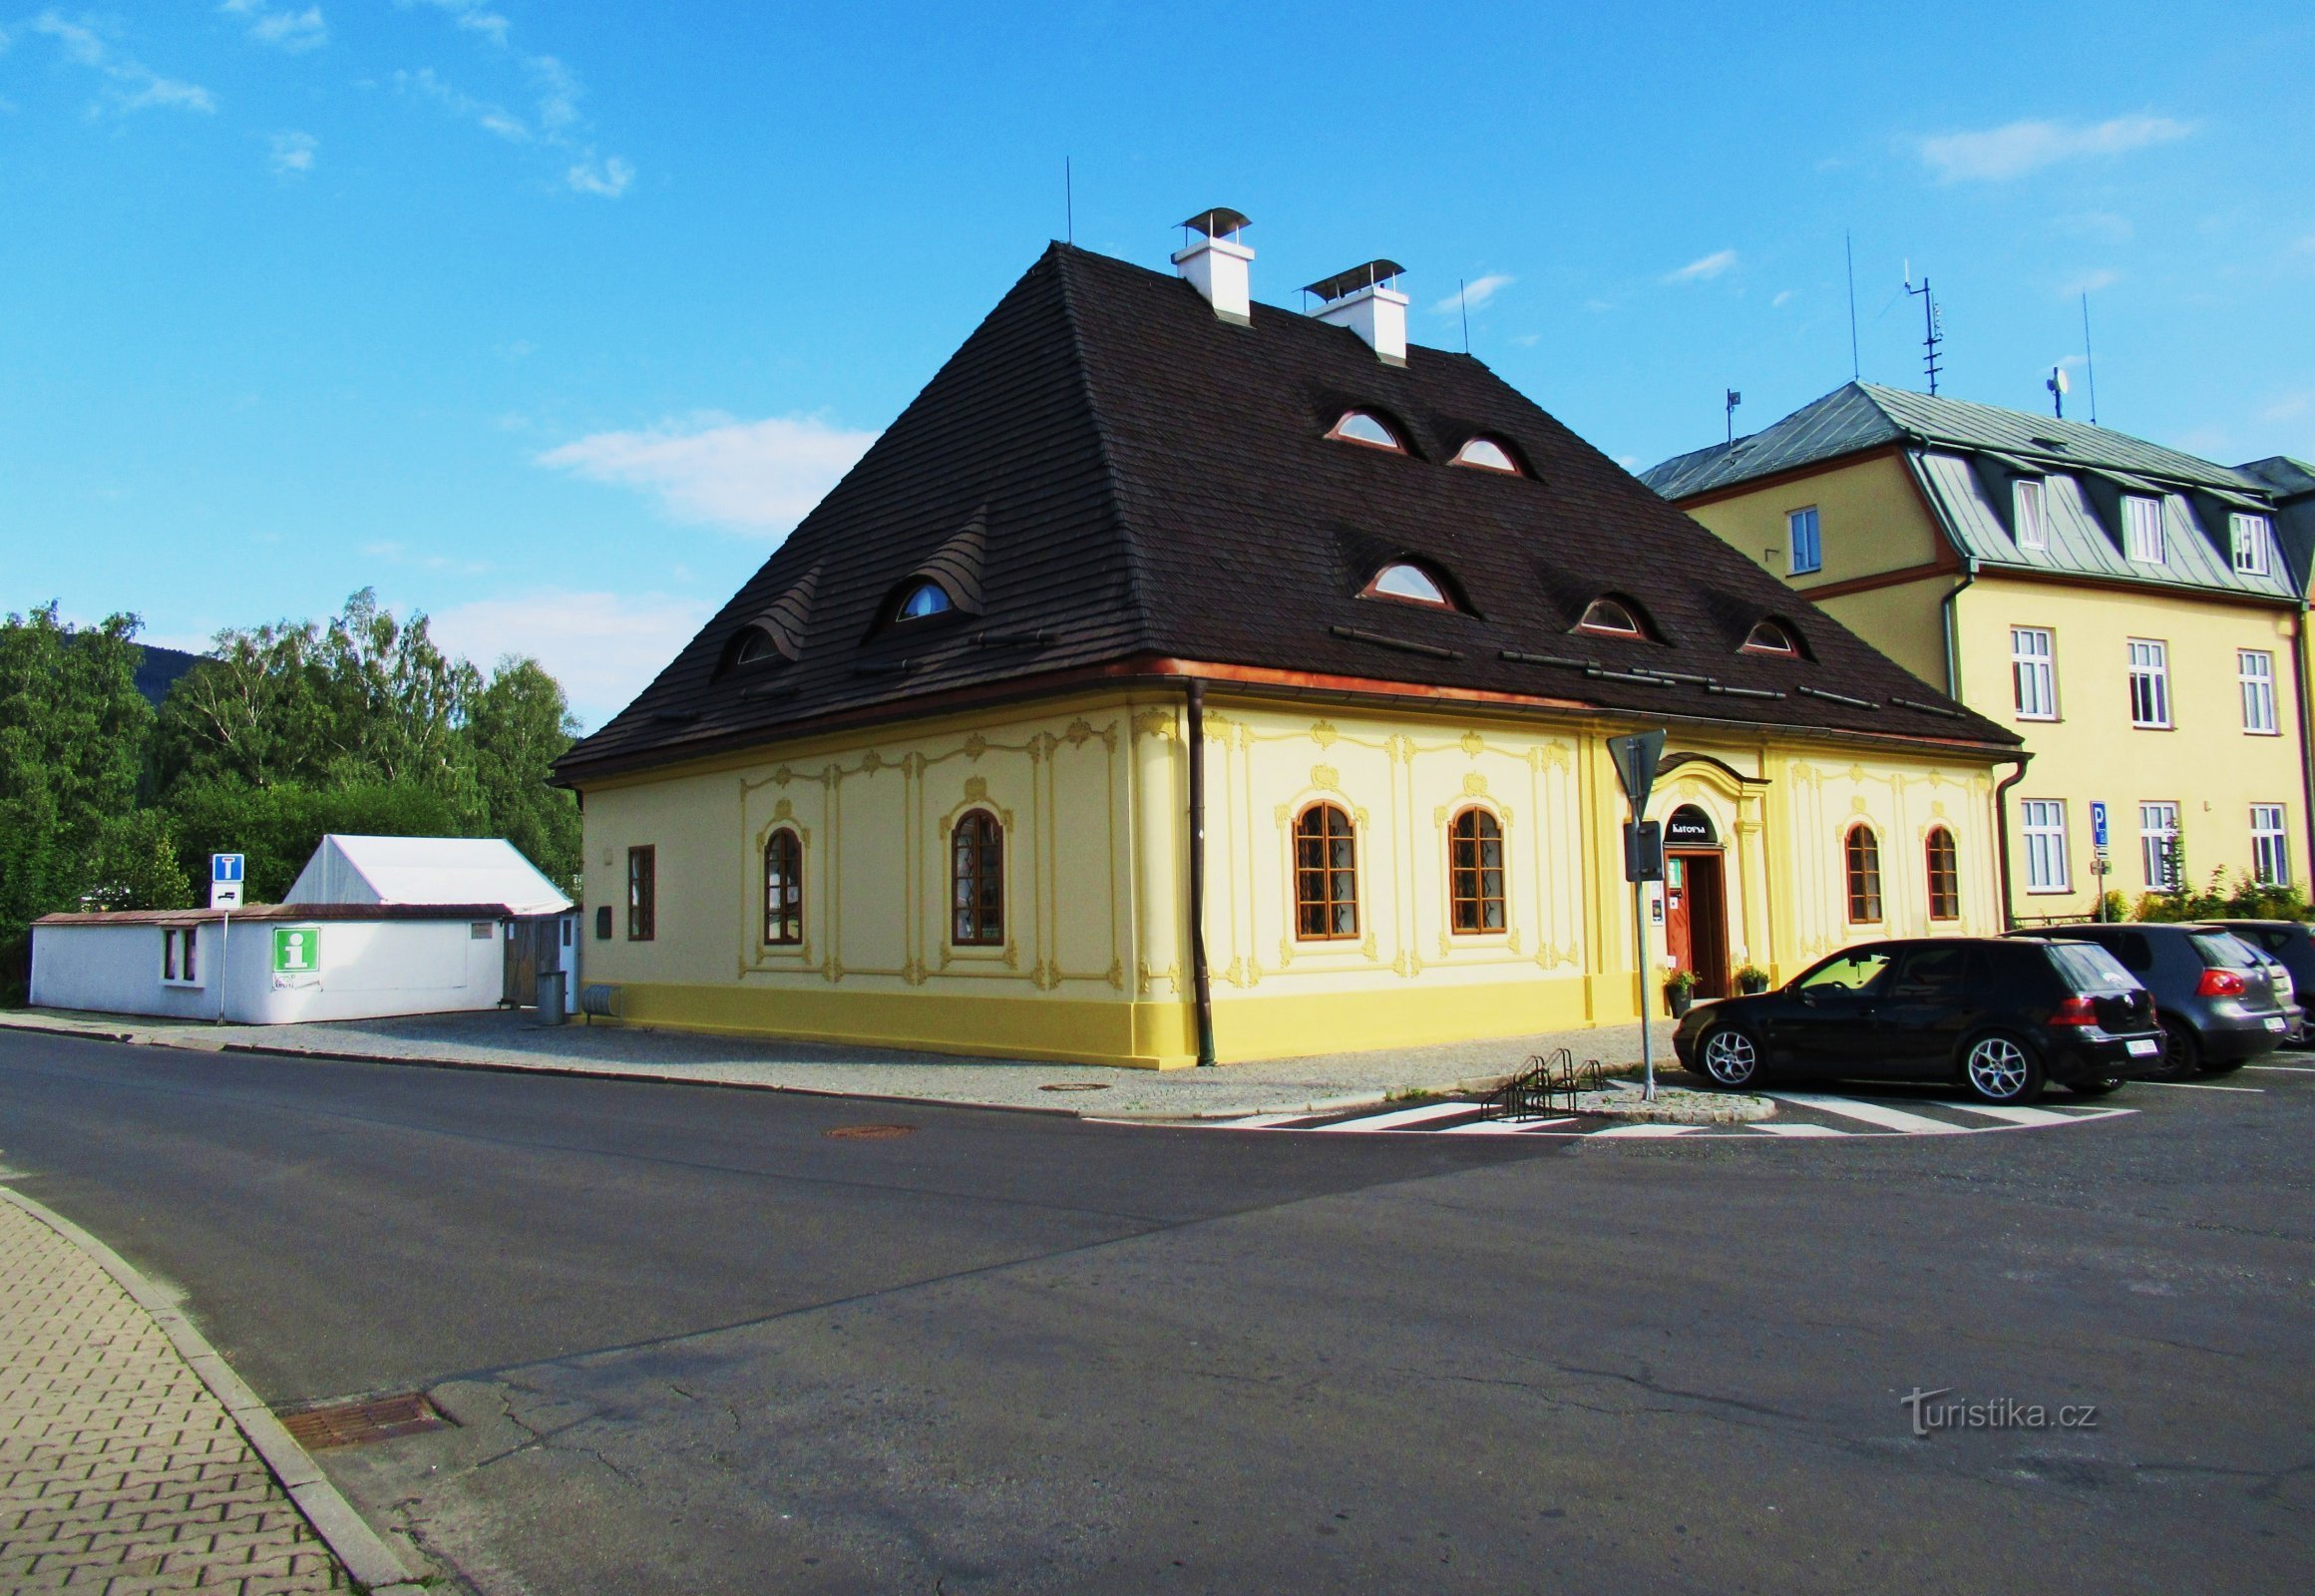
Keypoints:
pixel 551 318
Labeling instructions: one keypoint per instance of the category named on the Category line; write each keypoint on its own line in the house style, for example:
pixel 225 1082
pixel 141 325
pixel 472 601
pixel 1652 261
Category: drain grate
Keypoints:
pixel 359 1423
pixel 869 1132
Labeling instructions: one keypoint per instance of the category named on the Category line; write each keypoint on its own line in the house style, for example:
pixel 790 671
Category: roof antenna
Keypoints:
pixel 1068 203
pixel 1464 306
pixel 1734 399
pixel 1849 250
pixel 2089 366
pixel 1932 324
pixel 2059 388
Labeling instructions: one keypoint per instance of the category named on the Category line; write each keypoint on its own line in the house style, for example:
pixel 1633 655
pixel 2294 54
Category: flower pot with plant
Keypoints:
pixel 1751 980
pixel 1680 993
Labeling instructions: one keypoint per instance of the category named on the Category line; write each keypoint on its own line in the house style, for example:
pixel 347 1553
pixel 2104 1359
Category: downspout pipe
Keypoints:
pixel 1969 575
pixel 2306 750
pixel 2002 836
pixel 1201 985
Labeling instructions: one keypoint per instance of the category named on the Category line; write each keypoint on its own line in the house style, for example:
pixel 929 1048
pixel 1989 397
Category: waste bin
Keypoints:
pixel 551 997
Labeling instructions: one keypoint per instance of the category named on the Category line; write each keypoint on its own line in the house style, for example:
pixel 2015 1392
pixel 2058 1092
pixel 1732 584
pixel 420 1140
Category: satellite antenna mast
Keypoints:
pixel 1068 203
pixel 1932 324
pixel 1463 304
pixel 1734 399
pixel 2059 388
pixel 2089 366
pixel 1849 252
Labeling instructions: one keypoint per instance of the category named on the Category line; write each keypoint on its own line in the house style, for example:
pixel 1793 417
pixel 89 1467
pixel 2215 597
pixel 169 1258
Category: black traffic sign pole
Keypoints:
pixel 1636 758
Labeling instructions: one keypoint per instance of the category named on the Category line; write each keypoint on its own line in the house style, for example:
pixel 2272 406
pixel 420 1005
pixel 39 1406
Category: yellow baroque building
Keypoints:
pixel 1185 678
pixel 2133 613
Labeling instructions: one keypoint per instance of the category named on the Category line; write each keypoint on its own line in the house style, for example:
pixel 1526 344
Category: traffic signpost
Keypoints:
pixel 224 897
pixel 1636 758
pixel 2098 854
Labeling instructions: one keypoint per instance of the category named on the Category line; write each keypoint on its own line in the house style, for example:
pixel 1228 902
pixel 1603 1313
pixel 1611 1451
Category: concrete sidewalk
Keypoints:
pixel 120 1470
pixel 508 1040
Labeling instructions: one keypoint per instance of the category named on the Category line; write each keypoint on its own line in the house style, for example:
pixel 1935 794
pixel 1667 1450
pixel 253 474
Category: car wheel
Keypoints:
pixel 2000 1069
pixel 2096 1085
pixel 2181 1052
pixel 1729 1056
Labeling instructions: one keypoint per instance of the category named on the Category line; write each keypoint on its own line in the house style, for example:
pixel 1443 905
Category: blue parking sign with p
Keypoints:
pixel 2098 825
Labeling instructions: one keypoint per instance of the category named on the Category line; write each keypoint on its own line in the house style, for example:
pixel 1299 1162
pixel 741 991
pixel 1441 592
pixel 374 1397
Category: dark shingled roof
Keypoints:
pixel 1125 479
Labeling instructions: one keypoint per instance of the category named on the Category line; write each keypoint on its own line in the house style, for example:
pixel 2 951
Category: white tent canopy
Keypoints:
pixel 425 870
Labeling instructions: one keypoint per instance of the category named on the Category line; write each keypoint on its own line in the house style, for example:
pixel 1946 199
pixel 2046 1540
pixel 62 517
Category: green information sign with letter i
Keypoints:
pixel 296 950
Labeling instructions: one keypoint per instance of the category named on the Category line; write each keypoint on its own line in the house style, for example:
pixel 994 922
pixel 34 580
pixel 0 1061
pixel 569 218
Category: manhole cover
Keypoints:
pixel 359 1423
pixel 869 1132
pixel 1076 1086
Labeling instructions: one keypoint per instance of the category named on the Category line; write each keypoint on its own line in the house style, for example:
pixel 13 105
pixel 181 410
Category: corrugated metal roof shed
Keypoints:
pixel 425 871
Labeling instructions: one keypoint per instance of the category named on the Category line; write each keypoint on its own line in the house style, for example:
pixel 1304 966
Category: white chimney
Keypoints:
pixel 1215 263
pixel 1364 300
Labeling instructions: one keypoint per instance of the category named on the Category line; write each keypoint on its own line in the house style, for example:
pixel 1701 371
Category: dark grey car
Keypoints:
pixel 2216 995
pixel 2291 944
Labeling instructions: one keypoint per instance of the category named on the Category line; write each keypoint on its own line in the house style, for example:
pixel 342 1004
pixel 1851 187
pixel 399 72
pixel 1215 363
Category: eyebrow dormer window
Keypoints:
pixel 755 645
pixel 1610 618
pixel 1408 583
pixel 1770 639
pixel 924 599
pixel 1485 454
pixel 1364 427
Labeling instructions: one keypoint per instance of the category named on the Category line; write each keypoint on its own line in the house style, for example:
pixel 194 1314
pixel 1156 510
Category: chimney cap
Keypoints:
pixel 1347 282
pixel 1221 219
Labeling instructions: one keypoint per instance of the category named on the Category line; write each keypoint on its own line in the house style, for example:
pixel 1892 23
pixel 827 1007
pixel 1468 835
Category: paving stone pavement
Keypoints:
pixel 120 1471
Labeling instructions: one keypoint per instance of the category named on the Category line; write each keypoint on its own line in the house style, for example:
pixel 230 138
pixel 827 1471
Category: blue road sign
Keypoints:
pixel 2098 825
pixel 224 867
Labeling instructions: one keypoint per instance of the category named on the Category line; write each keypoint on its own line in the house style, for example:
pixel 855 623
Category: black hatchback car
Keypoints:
pixel 2289 943
pixel 1999 1016
pixel 2219 1003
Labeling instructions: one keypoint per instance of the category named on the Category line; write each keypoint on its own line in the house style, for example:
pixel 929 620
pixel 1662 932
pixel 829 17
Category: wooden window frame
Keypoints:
pixel 784 889
pixel 1512 469
pixel 1397 445
pixel 1635 632
pixel 976 881
pixel 1941 860
pixel 1787 647
pixel 1861 874
pixel 2149 708
pixel 1374 588
pixel 1469 900
pixel 1320 905
pixel 643 894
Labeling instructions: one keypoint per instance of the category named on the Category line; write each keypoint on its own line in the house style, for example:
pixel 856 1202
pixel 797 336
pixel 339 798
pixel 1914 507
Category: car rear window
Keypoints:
pixel 2090 968
pixel 2221 951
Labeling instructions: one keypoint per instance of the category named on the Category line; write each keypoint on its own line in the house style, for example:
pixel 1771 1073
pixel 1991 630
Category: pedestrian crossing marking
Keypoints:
pixel 1503 1127
pixel 1863 1117
pixel 1403 1118
pixel 1648 1130
pixel 2017 1116
pixel 1871 1113
pixel 1797 1130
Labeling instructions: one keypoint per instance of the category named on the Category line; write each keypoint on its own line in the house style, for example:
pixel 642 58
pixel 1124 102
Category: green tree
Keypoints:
pixel 518 726
pixel 277 828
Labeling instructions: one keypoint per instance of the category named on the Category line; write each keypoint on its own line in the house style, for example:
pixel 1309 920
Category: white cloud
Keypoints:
pixel 2018 148
pixel 471 15
pixel 609 178
pixel 130 85
pixel 2090 282
pixel 294 154
pixel 1476 293
pixel 291 30
pixel 753 476
pixel 604 647
pixel 1703 269
pixel 1783 298
pixel 1528 340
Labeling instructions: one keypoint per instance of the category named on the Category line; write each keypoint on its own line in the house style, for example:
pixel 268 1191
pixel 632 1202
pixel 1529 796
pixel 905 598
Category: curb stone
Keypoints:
pixel 366 1558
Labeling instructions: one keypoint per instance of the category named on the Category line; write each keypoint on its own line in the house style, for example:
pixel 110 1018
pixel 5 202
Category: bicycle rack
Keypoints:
pixel 1546 1086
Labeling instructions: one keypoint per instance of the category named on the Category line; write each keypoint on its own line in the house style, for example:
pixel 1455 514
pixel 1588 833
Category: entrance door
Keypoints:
pixel 1695 919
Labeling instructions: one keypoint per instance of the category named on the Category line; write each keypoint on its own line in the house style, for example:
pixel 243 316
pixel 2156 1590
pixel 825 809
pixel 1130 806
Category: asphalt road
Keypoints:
pixel 695 1343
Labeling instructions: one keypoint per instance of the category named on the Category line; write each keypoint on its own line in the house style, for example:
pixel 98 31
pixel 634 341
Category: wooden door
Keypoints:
pixel 1695 919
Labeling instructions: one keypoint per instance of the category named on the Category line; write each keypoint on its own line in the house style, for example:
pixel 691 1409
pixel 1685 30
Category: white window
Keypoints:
pixel 2251 537
pixel 2150 684
pixel 1487 455
pixel 2034 668
pixel 1409 582
pixel 2270 853
pixel 2142 517
pixel 1807 546
pixel 2256 668
pixel 2158 846
pixel 2026 506
pixel 2044 823
pixel 1363 426
pixel 181 956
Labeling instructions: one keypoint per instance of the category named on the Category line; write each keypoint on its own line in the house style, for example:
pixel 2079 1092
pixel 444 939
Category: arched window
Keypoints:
pixel 783 889
pixel 1610 617
pixel 754 644
pixel 1487 453
pixel 1325 875
pixel 976 881
pixel 1767 637
pixel 1409 582
pixel 1944 875
pixel 1865 872
pixel 1366 427
pixel 1475 873
pixel 924 599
